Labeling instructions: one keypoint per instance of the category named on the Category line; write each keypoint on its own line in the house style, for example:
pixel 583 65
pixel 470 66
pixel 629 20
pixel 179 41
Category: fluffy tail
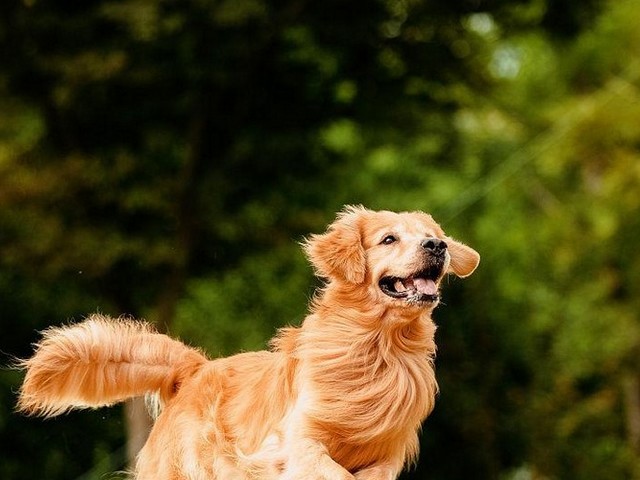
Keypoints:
pixel 102 361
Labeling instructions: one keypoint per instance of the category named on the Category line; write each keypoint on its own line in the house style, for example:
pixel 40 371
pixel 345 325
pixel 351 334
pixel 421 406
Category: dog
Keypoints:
pixel 340 397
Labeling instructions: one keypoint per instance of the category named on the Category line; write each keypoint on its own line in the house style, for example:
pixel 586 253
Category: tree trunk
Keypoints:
pixel 631 385
pixel 137 418
pixel 138 425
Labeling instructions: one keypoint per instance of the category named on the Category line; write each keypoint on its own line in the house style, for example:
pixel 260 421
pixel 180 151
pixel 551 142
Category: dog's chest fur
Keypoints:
pixel 370 388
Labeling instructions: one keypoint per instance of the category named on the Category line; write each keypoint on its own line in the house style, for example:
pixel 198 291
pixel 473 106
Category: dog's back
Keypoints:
pixel 100 362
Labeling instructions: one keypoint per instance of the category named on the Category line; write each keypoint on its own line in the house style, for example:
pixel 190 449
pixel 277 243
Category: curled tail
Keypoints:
pixel 102 361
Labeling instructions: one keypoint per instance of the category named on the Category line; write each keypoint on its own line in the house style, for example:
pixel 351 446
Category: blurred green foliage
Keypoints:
pixel 162 159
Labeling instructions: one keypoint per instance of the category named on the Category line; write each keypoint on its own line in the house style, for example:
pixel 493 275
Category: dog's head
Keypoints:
pixel 400 257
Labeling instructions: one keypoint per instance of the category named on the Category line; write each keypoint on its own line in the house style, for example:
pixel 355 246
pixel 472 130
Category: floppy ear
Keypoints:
pixel 339 252
pixel 464 259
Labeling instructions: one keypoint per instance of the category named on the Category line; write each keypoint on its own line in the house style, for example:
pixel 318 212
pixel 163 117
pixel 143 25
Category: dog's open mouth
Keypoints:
pixel 418 288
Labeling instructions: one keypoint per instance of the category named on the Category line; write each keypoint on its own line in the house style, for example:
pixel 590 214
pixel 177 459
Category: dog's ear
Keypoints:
pixel 464 259
pixel 338 253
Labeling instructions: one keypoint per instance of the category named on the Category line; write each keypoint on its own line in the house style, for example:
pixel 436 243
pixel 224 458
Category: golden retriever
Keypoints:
pixel 340 397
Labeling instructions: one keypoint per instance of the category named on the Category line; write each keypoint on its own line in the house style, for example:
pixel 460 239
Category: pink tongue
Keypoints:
pixel 425 286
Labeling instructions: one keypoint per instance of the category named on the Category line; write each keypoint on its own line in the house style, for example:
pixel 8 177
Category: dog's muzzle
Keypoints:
pixel 422 286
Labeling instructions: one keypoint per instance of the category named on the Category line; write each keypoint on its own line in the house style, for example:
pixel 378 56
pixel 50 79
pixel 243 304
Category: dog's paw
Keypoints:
pixel 320 473
pixel 377 472
pixel 323 468
pixel 316 476
pixel 309 460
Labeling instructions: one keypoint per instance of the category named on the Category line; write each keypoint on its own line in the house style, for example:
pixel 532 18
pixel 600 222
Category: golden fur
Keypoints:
pixel 341 397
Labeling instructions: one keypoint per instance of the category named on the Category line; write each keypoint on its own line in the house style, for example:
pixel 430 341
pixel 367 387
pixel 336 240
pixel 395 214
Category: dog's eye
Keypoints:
pixel 388 240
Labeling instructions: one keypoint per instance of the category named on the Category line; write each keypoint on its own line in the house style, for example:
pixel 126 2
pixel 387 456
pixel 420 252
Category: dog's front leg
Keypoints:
pixel 309 460
pixel 378 472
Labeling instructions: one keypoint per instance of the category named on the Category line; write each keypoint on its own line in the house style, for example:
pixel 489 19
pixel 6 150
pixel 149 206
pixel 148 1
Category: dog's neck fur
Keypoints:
pixel 370 372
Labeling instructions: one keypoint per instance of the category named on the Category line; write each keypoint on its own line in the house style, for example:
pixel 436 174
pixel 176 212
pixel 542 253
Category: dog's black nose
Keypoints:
pixel 434 246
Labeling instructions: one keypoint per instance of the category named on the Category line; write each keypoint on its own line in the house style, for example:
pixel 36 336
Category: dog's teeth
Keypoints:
pixel 399 286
